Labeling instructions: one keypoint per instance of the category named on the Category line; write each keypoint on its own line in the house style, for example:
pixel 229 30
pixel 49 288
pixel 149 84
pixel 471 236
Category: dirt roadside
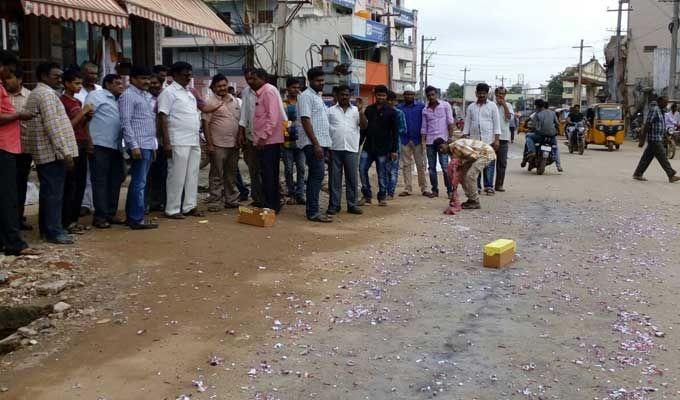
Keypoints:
pixel 392 304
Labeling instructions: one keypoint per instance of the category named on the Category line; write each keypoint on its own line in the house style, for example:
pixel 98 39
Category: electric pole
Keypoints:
pixel 617 61
pixel 580 71
pixel 281 17
pixel 422 64
pixel 502 79
pixel 674 49
pixel 464 71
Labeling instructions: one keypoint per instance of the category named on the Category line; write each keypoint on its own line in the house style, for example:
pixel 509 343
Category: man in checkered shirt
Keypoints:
pixel 653 132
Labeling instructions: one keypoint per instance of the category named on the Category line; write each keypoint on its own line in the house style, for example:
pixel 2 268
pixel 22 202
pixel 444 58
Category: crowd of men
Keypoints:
pixel 78 135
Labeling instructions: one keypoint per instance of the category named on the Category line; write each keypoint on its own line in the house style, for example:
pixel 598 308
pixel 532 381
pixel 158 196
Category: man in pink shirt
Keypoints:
pixel 10 145
pixel 268 136
pixel 437 123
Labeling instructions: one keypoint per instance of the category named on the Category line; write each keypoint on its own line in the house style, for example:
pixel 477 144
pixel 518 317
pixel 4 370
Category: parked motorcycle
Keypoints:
pixel 669 143
pixel 636 126
pixel 577 137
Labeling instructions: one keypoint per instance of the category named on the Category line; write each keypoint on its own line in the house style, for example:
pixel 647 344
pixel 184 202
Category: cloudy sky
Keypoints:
pixel 511 37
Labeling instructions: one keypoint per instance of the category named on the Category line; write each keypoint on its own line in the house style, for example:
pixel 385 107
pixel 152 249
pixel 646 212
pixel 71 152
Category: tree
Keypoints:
pixel 455 91
pixel 555 90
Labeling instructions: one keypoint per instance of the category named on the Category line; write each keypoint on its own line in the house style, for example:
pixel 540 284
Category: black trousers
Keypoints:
pixel 74 187
pixel 23 170
pixel 10 233
pixel 654 150
pixel 501 163
pixel 269 157
pixel 107 174
pixel 155 182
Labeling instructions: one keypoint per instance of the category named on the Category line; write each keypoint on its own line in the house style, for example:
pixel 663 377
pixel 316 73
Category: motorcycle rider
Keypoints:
pixel 575 116
pixel 545 124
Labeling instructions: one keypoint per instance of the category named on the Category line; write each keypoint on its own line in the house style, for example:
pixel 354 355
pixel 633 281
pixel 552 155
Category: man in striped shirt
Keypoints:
pixel 138 121
pixel 474 155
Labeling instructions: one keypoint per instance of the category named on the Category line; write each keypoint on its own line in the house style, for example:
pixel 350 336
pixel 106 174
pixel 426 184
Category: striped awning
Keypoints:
pixel 190 16
pixel 97 12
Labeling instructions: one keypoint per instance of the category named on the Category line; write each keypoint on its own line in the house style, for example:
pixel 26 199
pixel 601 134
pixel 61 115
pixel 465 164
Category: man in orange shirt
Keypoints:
pixel 10 146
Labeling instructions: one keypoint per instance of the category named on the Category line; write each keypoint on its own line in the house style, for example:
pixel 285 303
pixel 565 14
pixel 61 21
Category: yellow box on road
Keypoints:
pixel 499 253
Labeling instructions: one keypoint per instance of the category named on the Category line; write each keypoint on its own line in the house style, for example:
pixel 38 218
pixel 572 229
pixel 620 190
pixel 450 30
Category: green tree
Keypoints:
pixel 555 90
pixel 455 91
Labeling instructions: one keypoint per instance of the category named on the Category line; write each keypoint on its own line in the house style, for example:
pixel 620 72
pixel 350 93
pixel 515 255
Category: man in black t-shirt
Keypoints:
pixel 380 142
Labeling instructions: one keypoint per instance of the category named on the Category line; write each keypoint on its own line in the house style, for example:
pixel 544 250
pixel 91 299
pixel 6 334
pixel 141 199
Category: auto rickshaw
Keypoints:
pixel 562 114
pixel 606 125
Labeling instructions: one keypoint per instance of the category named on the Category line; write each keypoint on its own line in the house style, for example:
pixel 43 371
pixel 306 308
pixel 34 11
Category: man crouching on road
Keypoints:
pixel 474 155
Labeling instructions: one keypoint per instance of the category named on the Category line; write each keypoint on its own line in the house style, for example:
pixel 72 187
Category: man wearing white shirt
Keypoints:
pixel 180 122
pixel 90 73
pixel 483 123
pixel 506 114
pixel 345 121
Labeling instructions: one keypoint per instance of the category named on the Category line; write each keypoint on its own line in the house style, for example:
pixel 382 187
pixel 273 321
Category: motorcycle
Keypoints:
pixel 636 126
pixel 577 137
pixel 669 143
pixel 542 155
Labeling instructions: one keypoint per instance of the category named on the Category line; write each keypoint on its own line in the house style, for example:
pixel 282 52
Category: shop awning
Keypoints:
pixel 98 12
pixel 190 16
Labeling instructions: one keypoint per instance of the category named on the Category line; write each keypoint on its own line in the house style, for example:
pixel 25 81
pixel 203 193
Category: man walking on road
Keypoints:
pixel 438 123
pixel 482 122
pixel 268 119
pixel 221 131
pixel 412 146
pixel 52 144
pixel 653 132
pixel 180 123
pixel 506 114
pixel 315 141
pixel 474 156
pixel 106 157
pixel 345 122
pixel 380 145
pixel 139 130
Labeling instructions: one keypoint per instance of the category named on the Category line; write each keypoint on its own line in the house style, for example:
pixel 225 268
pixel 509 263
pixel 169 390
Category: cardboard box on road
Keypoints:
pixel 499 253
pixel 262 217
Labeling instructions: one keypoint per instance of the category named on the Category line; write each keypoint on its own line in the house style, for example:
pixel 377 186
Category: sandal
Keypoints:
pixel 30 252
pixel 174 216
pixel 195 213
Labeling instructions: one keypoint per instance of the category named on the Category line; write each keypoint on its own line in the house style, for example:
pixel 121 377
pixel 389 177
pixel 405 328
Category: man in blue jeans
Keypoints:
pixel 438 122
pixel 380 145
pixel 393 165
pixel 313 117
pixel 138 121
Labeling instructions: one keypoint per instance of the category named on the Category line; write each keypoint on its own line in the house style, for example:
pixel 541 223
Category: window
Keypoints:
pixel 649 49
pixel 226 16
pixel 265 16
pixel 568 90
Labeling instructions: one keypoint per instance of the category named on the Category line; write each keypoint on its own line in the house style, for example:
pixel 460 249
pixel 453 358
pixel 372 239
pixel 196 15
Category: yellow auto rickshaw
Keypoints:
pixel 606 125
pixel 562 114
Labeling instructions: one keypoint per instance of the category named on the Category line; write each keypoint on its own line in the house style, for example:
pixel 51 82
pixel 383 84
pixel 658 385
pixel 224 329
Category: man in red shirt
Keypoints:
pixel 74 185
pixel 10 146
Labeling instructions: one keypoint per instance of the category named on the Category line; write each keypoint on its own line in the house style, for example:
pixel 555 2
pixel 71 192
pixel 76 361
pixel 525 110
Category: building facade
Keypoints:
pixel 360 33
pixel 593 83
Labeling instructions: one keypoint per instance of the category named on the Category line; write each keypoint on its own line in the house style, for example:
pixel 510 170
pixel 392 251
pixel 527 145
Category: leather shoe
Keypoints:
pixel 144 225
pixel 62 239
pixel 674 179
pixel 355 210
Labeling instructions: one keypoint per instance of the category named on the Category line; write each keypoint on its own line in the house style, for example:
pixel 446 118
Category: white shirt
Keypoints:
pixel 344 128
pixel 181 109
pixel 248 100
pixel 82 95
pixel 505 123
pixel 482 122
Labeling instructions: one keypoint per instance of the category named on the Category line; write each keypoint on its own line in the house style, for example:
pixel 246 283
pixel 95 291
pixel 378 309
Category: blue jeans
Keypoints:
pixel 365 163
pixel 343 161
pixel 432 157
pixel 488 174
pixel 294 158
pixel 139 170
pixel 52 176
pixel 393 168
pixel 241 186
pixel 314 180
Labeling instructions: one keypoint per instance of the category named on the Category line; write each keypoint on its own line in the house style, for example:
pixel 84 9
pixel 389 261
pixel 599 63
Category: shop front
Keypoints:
pixel 71 32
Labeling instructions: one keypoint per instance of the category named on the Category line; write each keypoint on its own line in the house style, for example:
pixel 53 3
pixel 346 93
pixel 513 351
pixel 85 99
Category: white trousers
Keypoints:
pixel 183 170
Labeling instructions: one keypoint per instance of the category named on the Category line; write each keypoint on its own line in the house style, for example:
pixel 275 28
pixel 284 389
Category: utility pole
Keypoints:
pixel 464 71
pixel 674 50
pixel 617 60
pixel 502 79
pixel 390 67
pixel 580 71
pixel 281 17
pixel 423 39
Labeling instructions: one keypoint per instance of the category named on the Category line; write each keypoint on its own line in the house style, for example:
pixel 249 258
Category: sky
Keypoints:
pixel 495 38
